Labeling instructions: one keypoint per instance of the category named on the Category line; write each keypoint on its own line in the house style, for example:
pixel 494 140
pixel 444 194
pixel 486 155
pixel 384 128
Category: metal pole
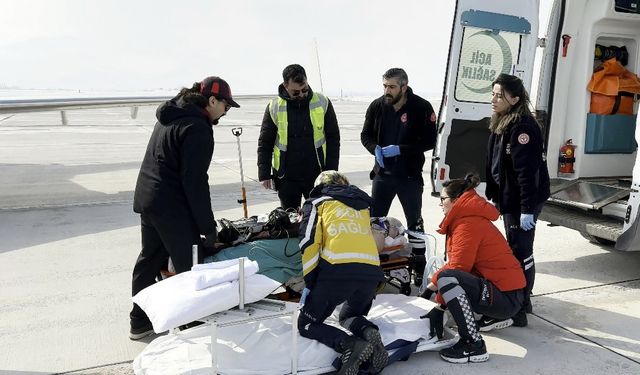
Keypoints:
pixel 241 282
pixel 315 43
pixel 214 341
pixel 294 346
pixel 194 254
pixel 238 132
pixel 63 117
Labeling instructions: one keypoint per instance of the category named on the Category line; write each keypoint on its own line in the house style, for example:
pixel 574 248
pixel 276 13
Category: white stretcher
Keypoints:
pixel 266 346
pixel 259 338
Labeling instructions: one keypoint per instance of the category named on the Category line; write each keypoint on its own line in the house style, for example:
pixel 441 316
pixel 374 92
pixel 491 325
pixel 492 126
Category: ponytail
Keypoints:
pixel 456 187
pixel 192 95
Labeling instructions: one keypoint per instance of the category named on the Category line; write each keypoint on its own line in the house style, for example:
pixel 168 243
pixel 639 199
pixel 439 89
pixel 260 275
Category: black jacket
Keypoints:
pixel 300 160
pixel 420 135
pixel 173 177
pixel 523 176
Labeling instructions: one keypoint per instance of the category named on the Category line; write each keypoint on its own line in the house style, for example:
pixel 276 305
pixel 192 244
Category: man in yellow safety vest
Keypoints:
pixel 299 139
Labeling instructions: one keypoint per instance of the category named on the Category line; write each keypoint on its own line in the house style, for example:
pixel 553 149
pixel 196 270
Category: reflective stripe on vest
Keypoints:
pixel 317 109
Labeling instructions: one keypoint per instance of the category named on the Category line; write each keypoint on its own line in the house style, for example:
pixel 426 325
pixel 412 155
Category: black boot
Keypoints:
pixel 520 319
pixel 380 356
pixel 355 351
pixel 419 263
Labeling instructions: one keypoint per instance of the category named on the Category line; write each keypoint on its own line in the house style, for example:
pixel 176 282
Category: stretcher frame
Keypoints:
pixel 433 263
pixel 253 312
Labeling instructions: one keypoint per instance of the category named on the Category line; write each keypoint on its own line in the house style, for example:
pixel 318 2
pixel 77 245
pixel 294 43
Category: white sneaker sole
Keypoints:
pixel 474 358
pixel 138 336
pixel 497 325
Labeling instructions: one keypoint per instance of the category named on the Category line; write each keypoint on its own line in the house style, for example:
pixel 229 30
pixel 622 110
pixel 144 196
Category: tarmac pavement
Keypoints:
pixel 69 240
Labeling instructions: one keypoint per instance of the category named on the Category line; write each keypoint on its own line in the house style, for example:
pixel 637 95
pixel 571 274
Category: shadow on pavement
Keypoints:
pixel 608 267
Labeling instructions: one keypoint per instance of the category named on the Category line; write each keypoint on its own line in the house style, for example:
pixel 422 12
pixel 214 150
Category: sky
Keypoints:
pixel 133 45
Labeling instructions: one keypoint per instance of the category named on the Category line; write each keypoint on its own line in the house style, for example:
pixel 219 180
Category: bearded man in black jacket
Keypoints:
pixel 172 191
pixel 299 139
pixel 398 128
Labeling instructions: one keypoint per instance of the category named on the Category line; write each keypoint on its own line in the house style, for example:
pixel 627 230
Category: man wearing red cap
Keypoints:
pixel 172 191
pixel 299 139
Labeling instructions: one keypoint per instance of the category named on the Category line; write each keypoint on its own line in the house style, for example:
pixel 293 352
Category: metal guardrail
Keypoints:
pixel 42 105
pixel 64 104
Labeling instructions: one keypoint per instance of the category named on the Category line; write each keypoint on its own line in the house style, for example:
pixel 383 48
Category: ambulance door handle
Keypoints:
pixel 566 39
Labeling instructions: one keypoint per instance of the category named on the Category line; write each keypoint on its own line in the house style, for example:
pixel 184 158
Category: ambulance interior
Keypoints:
pixel 601 128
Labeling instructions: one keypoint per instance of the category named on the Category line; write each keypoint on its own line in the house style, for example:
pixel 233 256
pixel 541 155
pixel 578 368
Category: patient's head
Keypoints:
pixel 331 178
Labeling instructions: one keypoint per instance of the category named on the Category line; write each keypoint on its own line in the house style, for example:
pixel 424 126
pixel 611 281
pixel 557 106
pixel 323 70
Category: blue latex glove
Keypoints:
pixel 391 151
pixel 303 297
pixel 379 158
pixel 527 222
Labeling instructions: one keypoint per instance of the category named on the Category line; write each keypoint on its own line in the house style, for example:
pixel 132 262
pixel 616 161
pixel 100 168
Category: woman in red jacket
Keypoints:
pixel 481 276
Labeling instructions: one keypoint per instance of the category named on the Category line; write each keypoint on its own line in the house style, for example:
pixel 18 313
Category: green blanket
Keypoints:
pixel 277 259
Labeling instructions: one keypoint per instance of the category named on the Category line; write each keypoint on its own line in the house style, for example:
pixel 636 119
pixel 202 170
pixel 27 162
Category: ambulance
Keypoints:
pixel 591 149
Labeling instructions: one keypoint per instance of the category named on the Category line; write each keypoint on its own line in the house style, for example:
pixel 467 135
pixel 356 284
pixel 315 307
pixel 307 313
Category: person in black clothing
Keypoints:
pixel 299 139
pixel 517 175
pixel 398 128
pixel 172 191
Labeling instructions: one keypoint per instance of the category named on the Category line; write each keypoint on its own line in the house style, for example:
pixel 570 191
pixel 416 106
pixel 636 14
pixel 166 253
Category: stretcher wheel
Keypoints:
pixel 405 289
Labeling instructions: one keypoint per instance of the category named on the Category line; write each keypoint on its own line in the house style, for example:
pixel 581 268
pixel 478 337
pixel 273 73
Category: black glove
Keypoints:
pixel 427 294
pixel 210 239
pixel 436 325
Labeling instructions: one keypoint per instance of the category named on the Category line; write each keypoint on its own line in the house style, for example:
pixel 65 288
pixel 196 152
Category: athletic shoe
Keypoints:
pixel 142 332
pixel 486 324
pixel 520 319
pixel 463 352
pixel 380 356
pixel 355 352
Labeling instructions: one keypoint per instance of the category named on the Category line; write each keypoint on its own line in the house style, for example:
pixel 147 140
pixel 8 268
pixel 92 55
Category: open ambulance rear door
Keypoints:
pixel 488 38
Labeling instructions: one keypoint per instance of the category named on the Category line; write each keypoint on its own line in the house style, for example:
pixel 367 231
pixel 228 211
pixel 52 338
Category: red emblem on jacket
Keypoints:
pixel 403 118
pixel 523 138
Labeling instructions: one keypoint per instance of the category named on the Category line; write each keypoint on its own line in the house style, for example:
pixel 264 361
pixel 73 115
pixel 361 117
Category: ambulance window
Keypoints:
pixel 484 55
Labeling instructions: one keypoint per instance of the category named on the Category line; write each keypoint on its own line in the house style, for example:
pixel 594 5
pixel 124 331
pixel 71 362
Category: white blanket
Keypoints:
pixel 208 277
pixel 176 301
pixel 265 347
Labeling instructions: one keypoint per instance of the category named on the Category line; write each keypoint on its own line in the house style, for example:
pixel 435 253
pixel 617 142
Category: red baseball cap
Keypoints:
pixel 219 88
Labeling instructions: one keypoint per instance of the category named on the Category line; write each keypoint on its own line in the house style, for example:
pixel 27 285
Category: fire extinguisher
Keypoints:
pixel 567 157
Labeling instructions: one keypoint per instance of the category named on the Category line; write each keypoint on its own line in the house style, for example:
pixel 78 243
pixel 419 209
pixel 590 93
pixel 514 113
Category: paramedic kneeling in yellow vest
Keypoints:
pixel 340 264
pixel 299 139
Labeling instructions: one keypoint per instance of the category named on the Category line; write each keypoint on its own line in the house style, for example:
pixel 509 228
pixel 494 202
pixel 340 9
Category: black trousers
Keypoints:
pixel 485 298
pixel 290 191
pixel 162 237
pixel 521 242
pixel 409 191
pixel 322 301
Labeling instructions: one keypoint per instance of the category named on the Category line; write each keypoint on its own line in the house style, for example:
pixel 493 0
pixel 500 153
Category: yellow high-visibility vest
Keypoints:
pixel 317 109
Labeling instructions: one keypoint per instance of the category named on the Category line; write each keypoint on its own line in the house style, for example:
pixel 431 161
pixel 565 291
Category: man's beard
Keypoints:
pixel 392 100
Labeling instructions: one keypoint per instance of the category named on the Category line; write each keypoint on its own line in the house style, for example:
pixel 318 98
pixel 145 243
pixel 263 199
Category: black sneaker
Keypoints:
pixel 141 332
pixel 380 356
pixel 354 351
pixel 463 352
pixel 520 319
pixel 486 323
